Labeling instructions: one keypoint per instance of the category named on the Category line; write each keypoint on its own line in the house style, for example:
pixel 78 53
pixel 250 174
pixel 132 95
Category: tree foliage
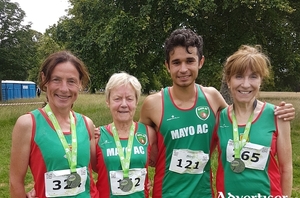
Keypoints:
pixel 126 35
pixel 119 35
pixel 17 43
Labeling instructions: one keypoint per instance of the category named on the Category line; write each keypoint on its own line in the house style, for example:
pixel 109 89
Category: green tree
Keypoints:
pixel 17 43
pixel 45 47
pixel 119 35
pixel 112 36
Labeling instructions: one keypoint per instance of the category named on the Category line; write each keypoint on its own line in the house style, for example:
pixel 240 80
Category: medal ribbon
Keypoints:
pixel 71 155
pixel 125 162
pixel 238 145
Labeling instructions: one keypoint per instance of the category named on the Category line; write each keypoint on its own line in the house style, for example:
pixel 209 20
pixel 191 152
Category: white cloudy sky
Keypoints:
pixel 42 13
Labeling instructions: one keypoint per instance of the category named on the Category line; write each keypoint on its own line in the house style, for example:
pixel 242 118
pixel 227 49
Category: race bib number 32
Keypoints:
pixel 56 183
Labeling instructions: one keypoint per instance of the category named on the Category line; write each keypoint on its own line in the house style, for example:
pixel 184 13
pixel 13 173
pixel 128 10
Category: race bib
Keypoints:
pixel 254 156
pixel 56 183
pixel 188 161
pixel 136 175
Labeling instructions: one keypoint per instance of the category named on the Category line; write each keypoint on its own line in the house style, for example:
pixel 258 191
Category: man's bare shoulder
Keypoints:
pixel 151 110
pixel 210 90
pixel 214 97
pixel 153 99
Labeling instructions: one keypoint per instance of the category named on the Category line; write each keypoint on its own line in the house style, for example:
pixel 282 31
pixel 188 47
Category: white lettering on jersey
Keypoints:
pixel 189 131
pixel 114 151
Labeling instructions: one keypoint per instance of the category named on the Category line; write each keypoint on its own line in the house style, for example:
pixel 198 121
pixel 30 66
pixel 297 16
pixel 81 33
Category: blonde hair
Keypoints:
pixel 247 57
pixel 123 78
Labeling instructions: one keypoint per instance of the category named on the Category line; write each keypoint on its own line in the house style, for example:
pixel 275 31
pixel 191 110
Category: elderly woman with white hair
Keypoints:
pixel 125 147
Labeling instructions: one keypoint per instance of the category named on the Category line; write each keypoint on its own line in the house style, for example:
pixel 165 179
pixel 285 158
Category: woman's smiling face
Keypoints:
pixel 122 103
pixel 63 86
pixel 244 87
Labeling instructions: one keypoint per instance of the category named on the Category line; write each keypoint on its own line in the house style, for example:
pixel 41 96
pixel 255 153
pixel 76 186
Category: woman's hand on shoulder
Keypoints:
pixel 285 111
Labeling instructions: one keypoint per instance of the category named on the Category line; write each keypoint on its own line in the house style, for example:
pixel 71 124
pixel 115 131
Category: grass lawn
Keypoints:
pixel 94 107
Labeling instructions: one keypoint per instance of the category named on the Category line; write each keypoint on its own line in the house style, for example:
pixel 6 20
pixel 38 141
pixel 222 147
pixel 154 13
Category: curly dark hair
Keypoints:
pixel 185 38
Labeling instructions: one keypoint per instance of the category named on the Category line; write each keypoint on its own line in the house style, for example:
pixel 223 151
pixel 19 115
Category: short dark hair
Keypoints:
pixel 185 38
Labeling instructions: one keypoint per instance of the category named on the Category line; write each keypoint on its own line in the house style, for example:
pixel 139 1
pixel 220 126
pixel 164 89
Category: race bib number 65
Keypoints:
pixel 254 156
